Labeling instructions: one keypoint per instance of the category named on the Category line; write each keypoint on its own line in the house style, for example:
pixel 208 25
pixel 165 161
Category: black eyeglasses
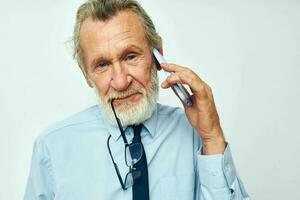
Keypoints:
pixel 133 154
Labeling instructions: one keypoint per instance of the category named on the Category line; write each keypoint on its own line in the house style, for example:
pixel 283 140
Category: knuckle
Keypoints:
pixel 201 87
pixel 190 73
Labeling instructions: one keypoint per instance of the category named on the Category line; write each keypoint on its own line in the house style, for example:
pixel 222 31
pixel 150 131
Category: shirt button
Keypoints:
pixel 214 173
pixel 227 168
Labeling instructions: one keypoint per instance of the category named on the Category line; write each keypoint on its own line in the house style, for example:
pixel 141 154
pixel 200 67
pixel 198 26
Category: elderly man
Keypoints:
pixel 128 146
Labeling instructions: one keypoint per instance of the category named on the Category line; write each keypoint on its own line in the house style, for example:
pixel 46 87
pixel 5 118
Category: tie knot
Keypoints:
pixel 137 132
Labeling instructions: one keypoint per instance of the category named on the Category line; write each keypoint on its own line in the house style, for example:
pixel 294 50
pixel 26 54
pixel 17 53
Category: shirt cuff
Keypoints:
pixel 216 171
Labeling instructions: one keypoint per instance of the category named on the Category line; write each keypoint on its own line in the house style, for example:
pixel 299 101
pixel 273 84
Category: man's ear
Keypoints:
pixel 161 51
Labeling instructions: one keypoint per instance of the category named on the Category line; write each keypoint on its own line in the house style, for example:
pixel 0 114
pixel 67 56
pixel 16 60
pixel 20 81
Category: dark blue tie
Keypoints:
pixel 140 190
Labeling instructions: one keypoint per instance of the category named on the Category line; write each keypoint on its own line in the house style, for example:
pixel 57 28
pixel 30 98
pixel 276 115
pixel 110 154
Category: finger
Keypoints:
pixel 197 86
pixel 171 80
pixel 187 73
pixel 184 77
pixel 169 67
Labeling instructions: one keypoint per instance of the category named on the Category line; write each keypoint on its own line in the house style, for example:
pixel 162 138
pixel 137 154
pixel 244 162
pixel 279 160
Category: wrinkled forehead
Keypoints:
pixel 121 30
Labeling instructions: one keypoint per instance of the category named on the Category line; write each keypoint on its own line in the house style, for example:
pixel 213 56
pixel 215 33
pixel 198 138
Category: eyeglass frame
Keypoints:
pixel 131 166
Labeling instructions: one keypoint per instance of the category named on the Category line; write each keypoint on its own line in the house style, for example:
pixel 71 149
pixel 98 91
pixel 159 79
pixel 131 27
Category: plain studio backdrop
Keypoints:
pixel 247 51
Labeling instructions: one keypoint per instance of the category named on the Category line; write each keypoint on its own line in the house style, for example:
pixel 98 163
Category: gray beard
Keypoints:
pixel 129 113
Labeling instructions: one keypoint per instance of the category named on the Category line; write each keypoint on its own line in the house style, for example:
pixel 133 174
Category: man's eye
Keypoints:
pixel 101 65
pixel 131 57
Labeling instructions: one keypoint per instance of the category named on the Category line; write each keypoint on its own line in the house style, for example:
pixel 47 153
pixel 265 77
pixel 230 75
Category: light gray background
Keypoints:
pixel 248 51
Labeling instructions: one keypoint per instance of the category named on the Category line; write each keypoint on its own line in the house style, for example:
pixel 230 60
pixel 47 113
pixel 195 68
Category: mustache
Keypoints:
pixel 113 94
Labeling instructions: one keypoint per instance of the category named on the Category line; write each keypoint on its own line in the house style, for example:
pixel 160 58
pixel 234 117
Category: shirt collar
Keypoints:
pixel 149 124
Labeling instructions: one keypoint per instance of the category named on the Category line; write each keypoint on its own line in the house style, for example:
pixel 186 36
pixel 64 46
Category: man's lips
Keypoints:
pixel 122 98
pixel 132 97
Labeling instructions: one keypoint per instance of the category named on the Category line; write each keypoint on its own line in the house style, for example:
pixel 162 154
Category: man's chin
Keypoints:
pixel 126 107
pixel 136 114
pixel 129 113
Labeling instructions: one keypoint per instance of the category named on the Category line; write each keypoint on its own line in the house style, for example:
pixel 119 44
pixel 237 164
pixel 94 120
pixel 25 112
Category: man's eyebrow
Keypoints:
pixel 98 59
pixel 130 49
pixel 133 46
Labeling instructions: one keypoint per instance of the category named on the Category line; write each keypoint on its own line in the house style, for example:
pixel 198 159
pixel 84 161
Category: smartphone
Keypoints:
pixel 179 89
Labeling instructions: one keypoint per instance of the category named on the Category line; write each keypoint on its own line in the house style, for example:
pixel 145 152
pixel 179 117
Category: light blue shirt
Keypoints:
pixel 70 161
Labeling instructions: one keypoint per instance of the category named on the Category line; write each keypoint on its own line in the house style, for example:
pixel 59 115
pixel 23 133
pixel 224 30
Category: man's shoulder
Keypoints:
pixel 78 120
pixel 170 111
pixel 172 118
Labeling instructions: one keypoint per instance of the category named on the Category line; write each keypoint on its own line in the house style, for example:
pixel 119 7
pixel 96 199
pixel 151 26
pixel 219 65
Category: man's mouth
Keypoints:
pixel 132 98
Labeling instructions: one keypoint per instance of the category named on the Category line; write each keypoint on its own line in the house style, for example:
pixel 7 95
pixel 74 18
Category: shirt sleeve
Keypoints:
pixel 40 181
pixel 218 179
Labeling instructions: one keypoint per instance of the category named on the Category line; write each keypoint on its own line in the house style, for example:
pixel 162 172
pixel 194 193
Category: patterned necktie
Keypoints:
pixel 140 190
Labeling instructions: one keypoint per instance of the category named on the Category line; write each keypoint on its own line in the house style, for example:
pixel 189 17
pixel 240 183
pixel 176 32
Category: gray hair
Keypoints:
pixel 105 9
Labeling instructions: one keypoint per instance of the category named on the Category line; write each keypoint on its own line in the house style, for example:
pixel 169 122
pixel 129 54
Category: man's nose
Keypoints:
pixel 120 78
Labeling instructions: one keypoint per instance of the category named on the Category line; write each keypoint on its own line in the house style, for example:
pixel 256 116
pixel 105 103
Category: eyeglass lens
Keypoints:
pixel 133 153
pixel 131 177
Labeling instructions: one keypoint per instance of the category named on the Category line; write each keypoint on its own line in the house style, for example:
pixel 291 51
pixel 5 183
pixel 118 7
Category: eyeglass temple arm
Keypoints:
pixel 119 123
pixel 115 165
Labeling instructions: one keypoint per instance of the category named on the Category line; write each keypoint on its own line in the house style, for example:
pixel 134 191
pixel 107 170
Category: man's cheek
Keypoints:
pixel 147 81
pixel 102 86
